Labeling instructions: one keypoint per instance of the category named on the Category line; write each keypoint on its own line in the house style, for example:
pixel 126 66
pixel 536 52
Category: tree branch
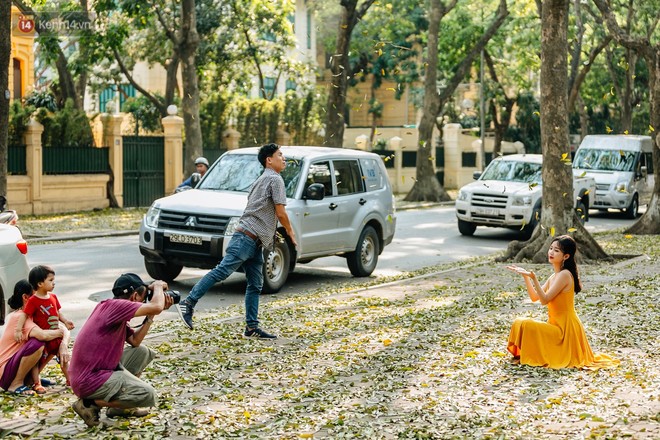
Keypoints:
pixel 640 45
pixel 155 101
pixel 586 67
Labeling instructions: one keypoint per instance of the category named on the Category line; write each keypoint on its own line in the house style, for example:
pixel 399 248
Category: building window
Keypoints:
pixel 469 160
pixel 292 20
pixel 108 95
pixel 18 79
pixel 269 88
pixel 290 85
pixel 268 36
pixel 309 29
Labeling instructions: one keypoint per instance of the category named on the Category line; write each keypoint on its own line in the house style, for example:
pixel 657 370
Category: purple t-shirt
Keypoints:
pixel 100 345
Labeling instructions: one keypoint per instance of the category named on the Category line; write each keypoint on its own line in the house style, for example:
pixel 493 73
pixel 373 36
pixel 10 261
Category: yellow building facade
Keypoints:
pixel 21 65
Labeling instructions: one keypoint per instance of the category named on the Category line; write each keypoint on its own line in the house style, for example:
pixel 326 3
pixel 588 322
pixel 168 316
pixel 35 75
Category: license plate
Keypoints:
pixel 486 211
pixel 186 239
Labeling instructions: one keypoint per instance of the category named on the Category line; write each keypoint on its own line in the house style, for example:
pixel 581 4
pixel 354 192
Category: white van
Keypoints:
pixel 622 166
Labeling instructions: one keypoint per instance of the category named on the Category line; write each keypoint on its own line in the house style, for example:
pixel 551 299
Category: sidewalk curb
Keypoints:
pixel 76 237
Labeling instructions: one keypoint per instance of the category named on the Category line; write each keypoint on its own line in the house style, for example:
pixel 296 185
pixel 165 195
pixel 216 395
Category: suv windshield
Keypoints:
pixel 237 172
pixel 510 171
pixel 605 160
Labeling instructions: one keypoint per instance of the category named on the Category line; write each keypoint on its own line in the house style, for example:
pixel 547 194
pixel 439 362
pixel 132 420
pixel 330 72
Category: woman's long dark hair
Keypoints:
pixel 23 287
pixel 568 245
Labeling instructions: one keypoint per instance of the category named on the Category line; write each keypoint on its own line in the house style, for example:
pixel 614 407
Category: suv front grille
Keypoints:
pixel 489 200
pixel 193 222
pixel 603 186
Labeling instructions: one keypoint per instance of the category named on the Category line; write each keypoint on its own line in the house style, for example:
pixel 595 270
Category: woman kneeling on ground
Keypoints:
pixel 561 342
pixel 18 359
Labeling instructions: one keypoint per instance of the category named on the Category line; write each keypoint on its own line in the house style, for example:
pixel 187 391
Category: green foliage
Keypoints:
pixel 19 117
pixel 41 100
pixel 67 127
pixel 528 119
pixel 258 119
pixel 145 115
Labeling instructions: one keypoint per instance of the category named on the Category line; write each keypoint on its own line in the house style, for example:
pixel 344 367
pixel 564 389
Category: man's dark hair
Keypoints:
pixel 267 151
pixel 38 274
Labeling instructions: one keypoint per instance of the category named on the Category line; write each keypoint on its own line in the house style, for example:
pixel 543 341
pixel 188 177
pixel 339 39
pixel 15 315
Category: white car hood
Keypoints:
pixel 604 177
pixel 199 201
pixel 500 187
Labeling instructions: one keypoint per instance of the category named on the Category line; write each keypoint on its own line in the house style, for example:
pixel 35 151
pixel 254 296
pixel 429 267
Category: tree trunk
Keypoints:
pixel 5 55
pixel 339 65
pixel 189 41
pixel 557 216
pixel 427 187
pixel 649 223
pixel 340 68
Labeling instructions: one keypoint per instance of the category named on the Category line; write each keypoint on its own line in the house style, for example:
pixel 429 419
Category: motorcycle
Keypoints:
pixel 7 216
pixel 194 180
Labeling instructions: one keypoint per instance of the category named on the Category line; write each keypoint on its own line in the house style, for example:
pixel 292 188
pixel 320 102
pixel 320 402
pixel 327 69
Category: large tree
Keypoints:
pixel 351 13
pixel 5 55
pixel 426 187
pixel 557 213
pixel 642 44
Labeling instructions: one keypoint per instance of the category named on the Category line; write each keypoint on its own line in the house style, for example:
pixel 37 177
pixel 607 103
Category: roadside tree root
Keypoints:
pixel 535 249
pixel 427 190
pixel 649 223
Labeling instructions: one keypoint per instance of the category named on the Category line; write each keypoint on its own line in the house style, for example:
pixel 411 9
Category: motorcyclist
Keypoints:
pixel 202 166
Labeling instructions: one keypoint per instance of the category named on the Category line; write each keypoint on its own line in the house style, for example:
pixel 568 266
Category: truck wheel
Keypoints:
pixel 582 212
pixel 165 272
pixel 528 230
pixel 632 209
pixel 276 267
pixel 466 228
pixel 362 262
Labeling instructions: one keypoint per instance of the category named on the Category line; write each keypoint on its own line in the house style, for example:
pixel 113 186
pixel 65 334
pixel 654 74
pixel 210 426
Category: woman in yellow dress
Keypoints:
pixel 561 342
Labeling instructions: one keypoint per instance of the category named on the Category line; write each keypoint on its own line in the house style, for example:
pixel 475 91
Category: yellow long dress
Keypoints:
pixel 559 343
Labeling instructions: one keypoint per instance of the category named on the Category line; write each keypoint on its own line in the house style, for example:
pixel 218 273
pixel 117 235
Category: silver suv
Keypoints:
pixel 339 202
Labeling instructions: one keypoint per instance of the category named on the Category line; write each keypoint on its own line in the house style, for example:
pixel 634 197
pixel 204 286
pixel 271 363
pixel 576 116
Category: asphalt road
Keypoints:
pixel 85 270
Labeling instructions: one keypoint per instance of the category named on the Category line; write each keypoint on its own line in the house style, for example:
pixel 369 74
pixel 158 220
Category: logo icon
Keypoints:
pixel 191 222
pixel 25 24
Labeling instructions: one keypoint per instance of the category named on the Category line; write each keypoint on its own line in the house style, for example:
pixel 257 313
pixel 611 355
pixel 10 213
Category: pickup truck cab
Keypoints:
pixel 508 194
pixel 339 202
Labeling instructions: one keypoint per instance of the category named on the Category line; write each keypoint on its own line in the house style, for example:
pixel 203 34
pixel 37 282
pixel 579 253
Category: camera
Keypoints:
pixel 174 294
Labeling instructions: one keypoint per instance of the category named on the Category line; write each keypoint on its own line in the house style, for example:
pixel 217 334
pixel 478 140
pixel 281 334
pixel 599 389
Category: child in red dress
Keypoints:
pixel 44 309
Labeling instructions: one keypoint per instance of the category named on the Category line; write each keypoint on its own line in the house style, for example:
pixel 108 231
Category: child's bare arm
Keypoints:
pixel 68 323
pixel 18 333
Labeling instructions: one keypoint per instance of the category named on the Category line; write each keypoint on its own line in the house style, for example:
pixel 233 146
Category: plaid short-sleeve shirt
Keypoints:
pixel 259 215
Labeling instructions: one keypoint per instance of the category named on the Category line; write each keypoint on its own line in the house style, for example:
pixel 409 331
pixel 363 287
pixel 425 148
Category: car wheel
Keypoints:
pixel 581 212
pixel 633 209
pixel 163 271
pixel 528 230
pixel 362 262
pixel 466 228
pixel 276 267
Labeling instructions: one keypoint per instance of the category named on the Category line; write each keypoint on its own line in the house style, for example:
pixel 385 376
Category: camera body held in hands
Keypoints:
pixel 174 294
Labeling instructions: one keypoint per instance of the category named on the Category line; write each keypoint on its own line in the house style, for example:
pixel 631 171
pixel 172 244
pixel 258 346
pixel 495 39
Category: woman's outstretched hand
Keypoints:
pixel 520 270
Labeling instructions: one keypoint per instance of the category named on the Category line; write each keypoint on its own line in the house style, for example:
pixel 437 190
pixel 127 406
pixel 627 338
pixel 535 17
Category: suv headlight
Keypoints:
pixel 463 195
pixel 232 224
pixel 521 200
pixel 152 216
pixel 622 187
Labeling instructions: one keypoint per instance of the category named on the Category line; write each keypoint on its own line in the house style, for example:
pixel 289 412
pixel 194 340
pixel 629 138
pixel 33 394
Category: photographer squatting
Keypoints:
pixel 109 377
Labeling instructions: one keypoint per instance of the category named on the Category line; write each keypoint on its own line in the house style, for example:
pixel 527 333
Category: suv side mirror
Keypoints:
pixel 315 191
pixel 476 175
pixel 194 179
pixel 644 171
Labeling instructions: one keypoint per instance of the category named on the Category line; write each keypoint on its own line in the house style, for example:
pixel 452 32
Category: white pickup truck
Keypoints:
pixel 508 194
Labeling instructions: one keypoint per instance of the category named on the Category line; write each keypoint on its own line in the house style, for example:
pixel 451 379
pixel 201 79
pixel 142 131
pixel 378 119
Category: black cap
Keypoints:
pixel 127 283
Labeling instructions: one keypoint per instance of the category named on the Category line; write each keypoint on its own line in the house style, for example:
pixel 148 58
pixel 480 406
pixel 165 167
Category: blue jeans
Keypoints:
pixel 242 250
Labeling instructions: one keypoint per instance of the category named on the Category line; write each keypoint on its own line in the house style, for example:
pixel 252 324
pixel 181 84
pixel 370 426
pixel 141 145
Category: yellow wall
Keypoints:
pixel 22 49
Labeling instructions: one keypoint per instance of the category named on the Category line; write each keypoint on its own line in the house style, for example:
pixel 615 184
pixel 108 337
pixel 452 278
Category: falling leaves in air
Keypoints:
pixel 625 131
pixel 387 342
pixel 608 130
pixel 552 231
pixel 628 236
pixel 533 185
pixel 582 174
pixel 389 218
pixel 564 194
pixel 651 129
pixel 572 229
pixel 537 113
